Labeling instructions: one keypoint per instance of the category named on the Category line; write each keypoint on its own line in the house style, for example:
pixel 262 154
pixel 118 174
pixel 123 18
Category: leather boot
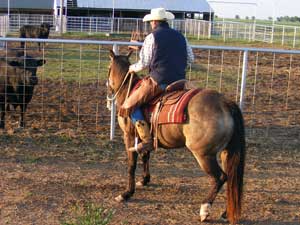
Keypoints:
pixel 143 131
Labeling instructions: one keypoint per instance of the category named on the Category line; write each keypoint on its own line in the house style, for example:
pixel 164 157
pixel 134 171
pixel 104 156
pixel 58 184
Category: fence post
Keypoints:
pixel 244 76
pixel 113 106
pixel 283 31
pixel 90 25
pixel 96 25
pixel 198 30
pixel 272 35
pixel 254 31
pixel 184 27
pixel 118 25
pixel 224 32
pixel 295 33
pixel 209 29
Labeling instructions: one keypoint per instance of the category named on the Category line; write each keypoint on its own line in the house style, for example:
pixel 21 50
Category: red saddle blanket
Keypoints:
pixel 169 107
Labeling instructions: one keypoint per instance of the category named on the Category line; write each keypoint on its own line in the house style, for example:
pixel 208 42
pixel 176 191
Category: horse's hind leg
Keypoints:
pixel 210 165
pixel 146 170
pixel 223 157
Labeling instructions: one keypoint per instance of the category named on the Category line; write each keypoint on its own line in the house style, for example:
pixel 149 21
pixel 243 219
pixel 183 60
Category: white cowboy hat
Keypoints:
pixel 158 14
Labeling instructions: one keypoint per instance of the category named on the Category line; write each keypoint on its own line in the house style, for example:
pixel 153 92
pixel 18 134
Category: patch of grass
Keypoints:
pixel 91 215
pixel 98 36
pixel 32 159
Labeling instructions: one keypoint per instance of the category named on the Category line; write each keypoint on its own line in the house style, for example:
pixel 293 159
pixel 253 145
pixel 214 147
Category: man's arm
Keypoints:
pixel 145 55
pixel 190 54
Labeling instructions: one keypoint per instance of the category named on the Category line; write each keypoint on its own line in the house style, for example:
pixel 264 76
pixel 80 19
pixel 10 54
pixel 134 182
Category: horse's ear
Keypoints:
pixel 129 53
pixel 111 54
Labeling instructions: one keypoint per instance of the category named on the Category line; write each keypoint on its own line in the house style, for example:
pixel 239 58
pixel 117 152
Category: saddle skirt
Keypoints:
pixel 170 107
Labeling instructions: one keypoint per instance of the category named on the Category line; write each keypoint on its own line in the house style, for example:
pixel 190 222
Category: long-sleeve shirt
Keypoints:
pixel 146 54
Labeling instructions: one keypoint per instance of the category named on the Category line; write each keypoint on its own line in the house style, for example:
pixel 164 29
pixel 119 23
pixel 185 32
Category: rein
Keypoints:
pixel 118 91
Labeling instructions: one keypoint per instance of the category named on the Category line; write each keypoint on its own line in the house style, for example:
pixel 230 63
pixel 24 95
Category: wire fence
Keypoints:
pixel 71 93
pixel 222 30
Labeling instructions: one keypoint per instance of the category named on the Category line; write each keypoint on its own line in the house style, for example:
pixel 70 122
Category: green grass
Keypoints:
pixel 98 36
pixel 87 63
pixel 91 215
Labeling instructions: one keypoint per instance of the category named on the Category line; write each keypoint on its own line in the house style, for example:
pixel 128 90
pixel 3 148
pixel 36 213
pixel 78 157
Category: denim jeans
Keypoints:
pixel 137 113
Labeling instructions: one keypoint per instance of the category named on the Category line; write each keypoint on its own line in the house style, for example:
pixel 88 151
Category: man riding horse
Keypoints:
pixel 166 53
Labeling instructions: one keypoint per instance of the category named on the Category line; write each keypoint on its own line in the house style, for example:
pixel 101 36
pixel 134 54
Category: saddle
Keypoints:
pixel 170 107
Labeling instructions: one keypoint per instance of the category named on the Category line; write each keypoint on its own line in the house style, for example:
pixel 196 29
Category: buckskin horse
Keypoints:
pixel 214 125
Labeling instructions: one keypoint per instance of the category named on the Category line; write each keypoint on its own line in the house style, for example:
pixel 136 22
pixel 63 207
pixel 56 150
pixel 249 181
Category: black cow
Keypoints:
pixel 17 80
pixel 35 31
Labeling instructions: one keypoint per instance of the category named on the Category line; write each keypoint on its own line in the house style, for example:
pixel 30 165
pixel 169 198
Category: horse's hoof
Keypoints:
pixel 204 211
pixel 203 218
pixel 119 198
pixel 139 184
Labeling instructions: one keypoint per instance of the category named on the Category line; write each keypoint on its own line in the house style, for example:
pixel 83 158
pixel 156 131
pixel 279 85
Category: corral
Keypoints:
pixel 63 161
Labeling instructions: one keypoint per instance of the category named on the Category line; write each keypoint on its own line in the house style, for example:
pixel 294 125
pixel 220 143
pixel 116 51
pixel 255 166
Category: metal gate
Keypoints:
pixel 3 25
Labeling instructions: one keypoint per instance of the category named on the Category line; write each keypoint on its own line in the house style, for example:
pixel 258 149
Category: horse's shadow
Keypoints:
pixel 265 222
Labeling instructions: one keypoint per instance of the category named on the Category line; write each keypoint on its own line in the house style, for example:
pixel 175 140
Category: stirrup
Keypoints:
pixel 142 147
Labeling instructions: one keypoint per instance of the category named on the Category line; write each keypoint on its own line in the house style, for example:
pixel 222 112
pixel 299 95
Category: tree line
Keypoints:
pixel 288 19
pixel 279 19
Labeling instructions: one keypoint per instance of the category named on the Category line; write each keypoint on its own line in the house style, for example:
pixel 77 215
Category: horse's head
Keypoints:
pixel 118 68
pixel 117 75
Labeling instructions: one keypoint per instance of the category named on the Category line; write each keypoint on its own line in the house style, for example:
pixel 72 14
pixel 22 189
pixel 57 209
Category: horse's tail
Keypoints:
pixel 235 165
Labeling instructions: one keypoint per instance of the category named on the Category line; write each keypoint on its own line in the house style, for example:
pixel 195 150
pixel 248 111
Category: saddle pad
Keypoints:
pixel 172 111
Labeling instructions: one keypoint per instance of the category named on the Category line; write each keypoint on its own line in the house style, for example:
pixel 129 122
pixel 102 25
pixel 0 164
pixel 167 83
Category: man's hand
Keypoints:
pixel 131 70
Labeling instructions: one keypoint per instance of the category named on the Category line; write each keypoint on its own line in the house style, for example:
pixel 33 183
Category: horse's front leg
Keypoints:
pixel 132 163
pixel 146 171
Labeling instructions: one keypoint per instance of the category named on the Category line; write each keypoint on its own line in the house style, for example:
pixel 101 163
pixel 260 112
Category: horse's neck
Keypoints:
pixel 124 91
pixel 122 95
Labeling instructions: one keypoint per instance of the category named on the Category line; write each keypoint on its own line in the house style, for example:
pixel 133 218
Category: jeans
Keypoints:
pixel 137 113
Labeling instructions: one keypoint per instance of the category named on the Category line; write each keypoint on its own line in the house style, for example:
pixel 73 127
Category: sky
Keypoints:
pixel 262 10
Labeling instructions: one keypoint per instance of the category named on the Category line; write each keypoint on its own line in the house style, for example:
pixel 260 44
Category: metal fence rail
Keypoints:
pixel 71 92
pixel 223 30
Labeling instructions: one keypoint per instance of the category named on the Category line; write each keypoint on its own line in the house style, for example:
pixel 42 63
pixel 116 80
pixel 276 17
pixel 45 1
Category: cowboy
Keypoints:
pixel 166 54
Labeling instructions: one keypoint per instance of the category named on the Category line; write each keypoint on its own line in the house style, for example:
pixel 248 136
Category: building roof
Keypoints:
pixel 172 5
pixel 141 5
pixel 27 4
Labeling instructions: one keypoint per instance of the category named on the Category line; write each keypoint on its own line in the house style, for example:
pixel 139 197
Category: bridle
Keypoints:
pixel 114 96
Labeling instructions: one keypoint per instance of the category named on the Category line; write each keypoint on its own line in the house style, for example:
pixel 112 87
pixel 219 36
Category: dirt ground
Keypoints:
pixel 45 176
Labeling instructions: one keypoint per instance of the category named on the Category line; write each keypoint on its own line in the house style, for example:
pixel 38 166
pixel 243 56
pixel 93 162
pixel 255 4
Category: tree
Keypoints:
pixel 237 17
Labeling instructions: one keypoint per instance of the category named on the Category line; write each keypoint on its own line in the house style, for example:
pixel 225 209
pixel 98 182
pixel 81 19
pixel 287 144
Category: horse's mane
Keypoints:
pixel 121 64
